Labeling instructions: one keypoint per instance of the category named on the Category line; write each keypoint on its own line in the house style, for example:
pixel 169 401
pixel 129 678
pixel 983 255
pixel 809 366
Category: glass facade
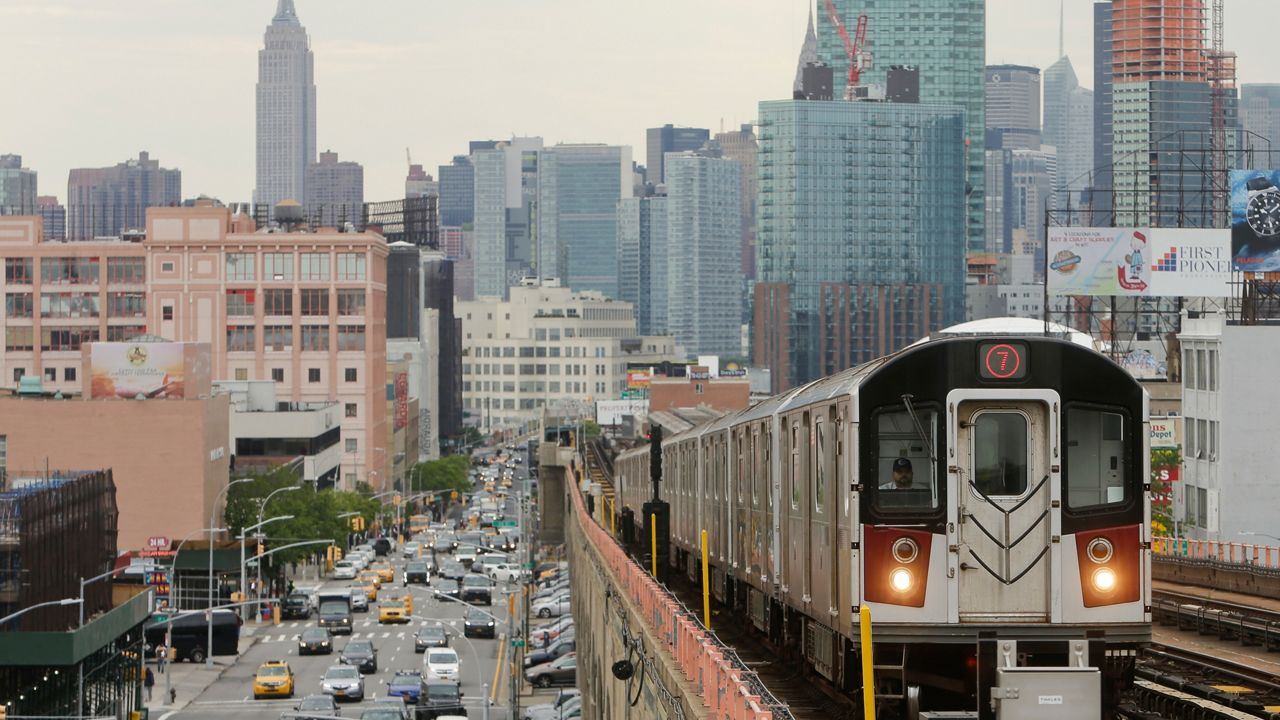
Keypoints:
pixel 457 195
pixel 946 40
pixel 579 187
pixel 858 194
pixel 490 213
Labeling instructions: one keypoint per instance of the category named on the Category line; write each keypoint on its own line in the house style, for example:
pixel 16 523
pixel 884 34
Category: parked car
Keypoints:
pixel 344 570
pixel 477 588
pixel 429 636
pixel 551 607
pixel 315 641
pixel 535 712
pixel 561 671
pixel 417 571
pixel 296 606
pixel 488 560
pixel 551 652
pixel 362 654
pixel 478 625
pixel 441 663
pixel 504 572
pixel 569 709
pixel 321 705
pixel 405 684
pixel 343 682
pixel 438 699
pixel 543 636
pixel 386 710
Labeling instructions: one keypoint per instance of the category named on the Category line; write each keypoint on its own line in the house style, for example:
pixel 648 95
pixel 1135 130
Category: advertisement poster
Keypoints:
pixel 733 369
pixel 402 400
pixel 611 412
pixel 1255 220
pixel 1164 432
pixel 1151 262
pixel 637 380
pixel 127 370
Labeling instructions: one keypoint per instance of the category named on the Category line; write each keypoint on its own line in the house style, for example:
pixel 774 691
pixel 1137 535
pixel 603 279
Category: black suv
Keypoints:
pixel 477 588
pixel 478 625
pixel 439 697
pixel 416 572
pixel 297 606
pixel 362 654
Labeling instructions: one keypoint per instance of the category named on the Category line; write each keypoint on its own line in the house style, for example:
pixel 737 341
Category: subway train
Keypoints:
pixel 986 497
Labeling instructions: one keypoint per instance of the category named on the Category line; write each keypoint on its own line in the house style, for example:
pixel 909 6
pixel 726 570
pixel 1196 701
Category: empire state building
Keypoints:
pixel 286 109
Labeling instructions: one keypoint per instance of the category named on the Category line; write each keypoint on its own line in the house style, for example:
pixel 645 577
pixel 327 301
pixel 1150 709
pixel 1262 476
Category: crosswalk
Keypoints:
pixel 368 630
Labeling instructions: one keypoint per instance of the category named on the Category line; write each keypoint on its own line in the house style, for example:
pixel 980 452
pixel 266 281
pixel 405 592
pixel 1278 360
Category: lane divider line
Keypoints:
pixel 497 670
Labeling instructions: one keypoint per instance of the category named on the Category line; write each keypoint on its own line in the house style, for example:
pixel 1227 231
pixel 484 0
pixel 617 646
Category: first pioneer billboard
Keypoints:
pixel 1139 262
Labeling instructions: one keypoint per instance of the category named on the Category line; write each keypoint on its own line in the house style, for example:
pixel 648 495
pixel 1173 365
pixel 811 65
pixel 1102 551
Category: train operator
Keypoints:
pixel 903 477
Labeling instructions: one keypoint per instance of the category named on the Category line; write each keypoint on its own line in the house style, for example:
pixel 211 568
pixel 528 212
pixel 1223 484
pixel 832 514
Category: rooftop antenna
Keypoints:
pixel 1061 17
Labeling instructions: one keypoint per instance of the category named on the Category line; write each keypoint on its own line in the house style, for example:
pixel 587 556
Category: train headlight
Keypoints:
pixel 1100 550
pixel 1104 580
pixel 905 550
pixel 900 580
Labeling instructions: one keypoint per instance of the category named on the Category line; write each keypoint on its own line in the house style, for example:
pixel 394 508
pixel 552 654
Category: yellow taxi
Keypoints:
pixel 274 679
pixel 370 589
pixel 384 570
pixel 370 576
pixel 398 609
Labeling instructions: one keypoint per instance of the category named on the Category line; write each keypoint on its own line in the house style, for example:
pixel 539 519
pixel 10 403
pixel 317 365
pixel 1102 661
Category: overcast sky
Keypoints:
pixel 89 83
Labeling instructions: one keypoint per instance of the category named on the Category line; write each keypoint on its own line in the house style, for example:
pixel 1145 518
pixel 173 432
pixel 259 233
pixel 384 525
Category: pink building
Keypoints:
pixel 307 310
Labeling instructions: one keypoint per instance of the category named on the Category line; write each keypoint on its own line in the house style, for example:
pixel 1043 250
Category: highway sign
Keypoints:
pixel 504 523
pixel 517 642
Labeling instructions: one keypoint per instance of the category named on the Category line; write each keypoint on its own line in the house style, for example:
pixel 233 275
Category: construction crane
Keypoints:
pixel 858 60
pixel 1222 79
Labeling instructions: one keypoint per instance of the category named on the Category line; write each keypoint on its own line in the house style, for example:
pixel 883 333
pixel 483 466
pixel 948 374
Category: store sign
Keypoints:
pixel 402 400
pixel 155 542
pixel 611 412
pixel 638 380
pixel 1165 432
pixel 733 369
pixel 699 372
pixel 1139 262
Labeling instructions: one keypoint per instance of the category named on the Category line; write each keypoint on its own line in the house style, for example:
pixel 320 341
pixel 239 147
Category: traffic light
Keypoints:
pixel 261 548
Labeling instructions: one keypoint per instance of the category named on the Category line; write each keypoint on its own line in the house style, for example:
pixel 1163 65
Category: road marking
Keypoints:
pixel 386 635
pixel 497 670
pixel 281 638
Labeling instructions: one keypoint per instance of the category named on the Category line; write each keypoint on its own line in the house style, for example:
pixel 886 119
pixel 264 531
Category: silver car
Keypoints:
pixel 359 600
pixel 343 682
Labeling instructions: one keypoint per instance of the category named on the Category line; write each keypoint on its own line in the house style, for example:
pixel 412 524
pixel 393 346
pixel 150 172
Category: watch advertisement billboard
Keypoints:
pixel 127 370
pixel 1255 220
pixel 1139 262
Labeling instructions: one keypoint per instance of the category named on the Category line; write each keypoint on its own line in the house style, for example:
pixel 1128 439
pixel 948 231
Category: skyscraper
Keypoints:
pixel 457 192
pixel 577 225
pixel 668 139
pixel 704 246
pixel 107 201
pixel 740 145
pixel 504 193
pixel 946 41
pixel 17 187
pixel 1103 180
pixel 1012 107
pixel 861 233
pixel 419 183
pixel 286 109
pixel 1068 128
pixel 1260 116
pixel 808 53
pixel 335 191
pixel 642 260
pixel 54 214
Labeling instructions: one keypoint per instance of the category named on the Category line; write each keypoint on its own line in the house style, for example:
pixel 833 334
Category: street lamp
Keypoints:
pixel 1259 534
pixel 25 610
pixel 173 589
pixel 208 655
pixel 243 532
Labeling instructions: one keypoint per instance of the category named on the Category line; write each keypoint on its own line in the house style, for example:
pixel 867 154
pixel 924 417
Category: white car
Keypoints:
pixel 358 560
pixel 344 570
pixel 410 550
pixel 551 607
pixel 503 572
pixel 441 663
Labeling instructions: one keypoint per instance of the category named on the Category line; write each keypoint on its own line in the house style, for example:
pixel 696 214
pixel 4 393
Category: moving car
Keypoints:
pixel 371 576
pixel 343 682
pixel 429 636
pixel 315 641
pixel 441 664
pixel 448 587
pixel 561 671
pixel 387 709
pixel 382 546
pixel 386 573
pixel 477 588
pixel 393 610
pixel 453 570
pixel 405 684
pixel 551 652
pixel 503 572
pixel 417 571
pixel 465 554
pixel 296 606
pixel 551 607
pixel 362 654
pixel 477 624
pixel 439 698
pixel 335 611
pixel 359 599
pixel 321 705
pixel 344 570
pixel 274 679
pixel 570 708
pixel 410 549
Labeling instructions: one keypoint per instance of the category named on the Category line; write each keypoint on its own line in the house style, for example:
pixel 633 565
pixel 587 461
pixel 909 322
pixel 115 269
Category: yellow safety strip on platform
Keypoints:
pixel 1234 689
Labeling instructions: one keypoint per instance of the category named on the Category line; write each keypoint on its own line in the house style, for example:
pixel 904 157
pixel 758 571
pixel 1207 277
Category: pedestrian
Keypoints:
pixel 162 656
pixel 149 681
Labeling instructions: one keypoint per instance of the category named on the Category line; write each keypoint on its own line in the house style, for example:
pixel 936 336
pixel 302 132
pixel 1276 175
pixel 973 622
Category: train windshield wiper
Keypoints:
pixel 920 433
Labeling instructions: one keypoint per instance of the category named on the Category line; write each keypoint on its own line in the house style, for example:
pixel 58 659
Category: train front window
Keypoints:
pixel 1000 453
pixel 1097 459
pixel 905 474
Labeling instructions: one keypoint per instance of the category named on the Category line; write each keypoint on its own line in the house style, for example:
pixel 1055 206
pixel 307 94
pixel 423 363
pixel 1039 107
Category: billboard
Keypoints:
pixel 1255 220
pixel 1139 262
pixel 401 400
pixel 732 369
pixel 638 379
pixel 1164 432
pixel 127 370
pixel 611 412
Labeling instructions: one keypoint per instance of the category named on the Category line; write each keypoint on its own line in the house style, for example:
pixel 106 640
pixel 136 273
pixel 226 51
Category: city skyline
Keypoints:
pixel 750 58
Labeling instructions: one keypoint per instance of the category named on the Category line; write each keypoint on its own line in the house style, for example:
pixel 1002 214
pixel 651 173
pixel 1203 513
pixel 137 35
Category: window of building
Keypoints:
pixel 69 374
pixel 313 375
pixel 69 271
pixel 18 305
pixel 4 455
pixel 17 271
pixel 126 271
pixel 352 445
pixel 350 374
pixel 315 266
pixel 277 337
pixel 1192 500
pixel 277 374
pixel 242 374
pixel 166 312
pixel 350 409
pixel 314 302
pixel 1213 440
pixel 277 266
pixel 1189 369
pixel 1189 445
pixel 240 303
pixel 240 267
pixel 127 304
pixel 315 337
pixel 1202 440
pixel 166 267
pixel 66 338
pixel 18 373
pixel 351 267
pixel 124 333
pixel 350 337
pixel 1202 369
pixel 1213 370
pixel 51 374
pixel 351 301
pixel 239 338
pixel 277 302
pixel 68 305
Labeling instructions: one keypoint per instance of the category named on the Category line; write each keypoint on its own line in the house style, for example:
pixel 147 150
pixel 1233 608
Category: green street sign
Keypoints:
pixel 504 523
pixel 160 618
pixel 517 642
pixel 528 566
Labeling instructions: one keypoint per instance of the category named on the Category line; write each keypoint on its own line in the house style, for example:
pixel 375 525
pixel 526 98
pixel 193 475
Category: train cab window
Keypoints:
pixel 1000 453
pixel 905 475
pixel 1097 459
pixel 820 469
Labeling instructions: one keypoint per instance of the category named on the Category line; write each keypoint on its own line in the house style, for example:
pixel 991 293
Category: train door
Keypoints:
pixel 844 575
pixel 821 487
pixel 1004 453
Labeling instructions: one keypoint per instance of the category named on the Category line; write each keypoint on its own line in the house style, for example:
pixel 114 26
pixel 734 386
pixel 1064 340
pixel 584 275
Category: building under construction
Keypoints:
pixel 55 528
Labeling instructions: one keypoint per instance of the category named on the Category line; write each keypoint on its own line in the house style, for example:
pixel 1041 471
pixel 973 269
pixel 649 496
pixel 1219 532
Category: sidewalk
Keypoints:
pixel 188 680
